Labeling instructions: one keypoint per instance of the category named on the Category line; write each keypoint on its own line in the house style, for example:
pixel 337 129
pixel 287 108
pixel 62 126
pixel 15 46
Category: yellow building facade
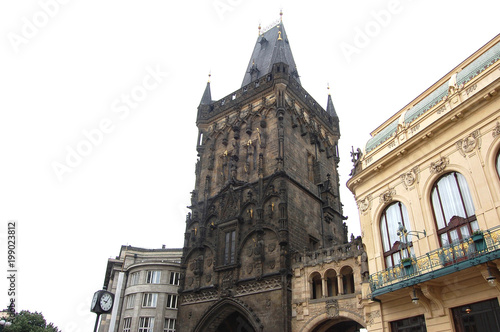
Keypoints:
pixel 427 186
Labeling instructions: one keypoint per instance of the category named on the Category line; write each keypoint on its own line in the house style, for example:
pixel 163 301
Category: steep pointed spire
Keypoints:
pixel 329 106
pixel 272 47
pixel 207 95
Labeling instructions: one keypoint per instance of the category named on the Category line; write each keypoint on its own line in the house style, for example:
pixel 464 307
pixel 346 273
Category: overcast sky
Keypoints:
pixel 98 104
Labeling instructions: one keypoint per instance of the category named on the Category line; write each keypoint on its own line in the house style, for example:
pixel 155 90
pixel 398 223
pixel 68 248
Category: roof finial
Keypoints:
pixel 281 15
pixel 209 75
pixel 259 28
pixel 328 88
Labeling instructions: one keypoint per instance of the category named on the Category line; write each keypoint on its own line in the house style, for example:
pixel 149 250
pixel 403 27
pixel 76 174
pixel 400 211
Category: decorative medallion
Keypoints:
pixel 439 166
pixel 387 196
pixel 249 268
pixel 272 264
pixel 469 143
pixel 271 247
pixel 332 308
pixel 365 203
pixel 496 130
pixel 410 177
pixel 208 278
pixel 190 281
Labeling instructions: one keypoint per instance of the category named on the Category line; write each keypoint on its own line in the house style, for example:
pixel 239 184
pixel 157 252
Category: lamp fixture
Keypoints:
pixel 5 323
pixel 490 278
pixel 403 232
pixel 414 297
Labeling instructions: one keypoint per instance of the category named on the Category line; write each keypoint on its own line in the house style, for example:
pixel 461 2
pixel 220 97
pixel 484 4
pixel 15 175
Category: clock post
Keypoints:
pixel 102 303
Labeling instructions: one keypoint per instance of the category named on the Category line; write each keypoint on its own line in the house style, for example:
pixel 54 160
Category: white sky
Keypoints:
pixel 69 75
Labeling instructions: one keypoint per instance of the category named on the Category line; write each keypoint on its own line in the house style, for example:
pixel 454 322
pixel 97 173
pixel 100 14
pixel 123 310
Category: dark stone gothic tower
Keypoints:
pixel 266 187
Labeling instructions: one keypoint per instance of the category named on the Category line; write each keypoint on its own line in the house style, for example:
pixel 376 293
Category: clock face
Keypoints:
pixel 94 300
pixel 106 302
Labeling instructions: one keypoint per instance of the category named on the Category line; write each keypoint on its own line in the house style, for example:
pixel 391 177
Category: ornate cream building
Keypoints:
pixel 428 191
pixel 145 283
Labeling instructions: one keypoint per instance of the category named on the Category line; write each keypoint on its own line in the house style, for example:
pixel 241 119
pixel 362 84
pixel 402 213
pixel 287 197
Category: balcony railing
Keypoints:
pixel 437 263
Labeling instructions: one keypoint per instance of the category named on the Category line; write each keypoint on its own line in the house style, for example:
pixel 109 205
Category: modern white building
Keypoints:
pixel 145 283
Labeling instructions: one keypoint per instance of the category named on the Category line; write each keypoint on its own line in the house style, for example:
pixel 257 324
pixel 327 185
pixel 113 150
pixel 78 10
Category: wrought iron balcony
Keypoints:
pixel 438 263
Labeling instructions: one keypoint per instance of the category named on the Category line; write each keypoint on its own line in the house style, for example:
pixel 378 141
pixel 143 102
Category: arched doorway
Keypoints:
pixel 229 315
pixel 235 322
pixel 338 325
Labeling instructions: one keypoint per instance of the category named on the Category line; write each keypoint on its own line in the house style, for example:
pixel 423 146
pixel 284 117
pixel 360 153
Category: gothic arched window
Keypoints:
pixel 453 208
pixel 393 216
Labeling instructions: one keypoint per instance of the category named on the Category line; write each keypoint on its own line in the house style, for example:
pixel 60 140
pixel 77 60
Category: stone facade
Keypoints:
pixel 145 283
pixel 266 188
pixel 434 167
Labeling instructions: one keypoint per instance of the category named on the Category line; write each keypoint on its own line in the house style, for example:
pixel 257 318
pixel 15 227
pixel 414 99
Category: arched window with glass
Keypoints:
pixel 393 217
pixel 498 163
pixel 453 209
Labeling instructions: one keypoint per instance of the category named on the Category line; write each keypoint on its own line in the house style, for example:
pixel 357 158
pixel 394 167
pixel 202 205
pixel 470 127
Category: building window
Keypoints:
pixel 171 301
pixel 394 215
pixel 169 325
pixel 481 316
pixel 149 300
pixel 316 286
pixel 146 324
pixel 134 278
pixel 331 283
pixel 130 301
pixel 153 277
pixel 230 247
pixel 498 163
pixel 412 324
pixel 174 278
pixel 347 280
pixel 453 209
pixel 313 243
pixel 127 322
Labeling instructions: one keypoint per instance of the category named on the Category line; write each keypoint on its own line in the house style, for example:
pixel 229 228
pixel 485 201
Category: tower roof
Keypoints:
pixel 207 96
pixel 271 47
pixel 329 107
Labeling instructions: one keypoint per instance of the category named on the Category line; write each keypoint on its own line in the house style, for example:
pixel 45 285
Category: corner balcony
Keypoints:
pixel 438 263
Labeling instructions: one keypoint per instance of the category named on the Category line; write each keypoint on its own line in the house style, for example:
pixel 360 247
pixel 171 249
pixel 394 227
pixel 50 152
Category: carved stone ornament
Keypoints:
pixel 332 308
pixel 365 203
pixel 271 247
pixel 249 268
pixel 371 316
pixel 469 143
pixel 409 178
pixel 298 308
pixel 439 166
pixel 496 130
pixel 209 262
pixel 386 196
